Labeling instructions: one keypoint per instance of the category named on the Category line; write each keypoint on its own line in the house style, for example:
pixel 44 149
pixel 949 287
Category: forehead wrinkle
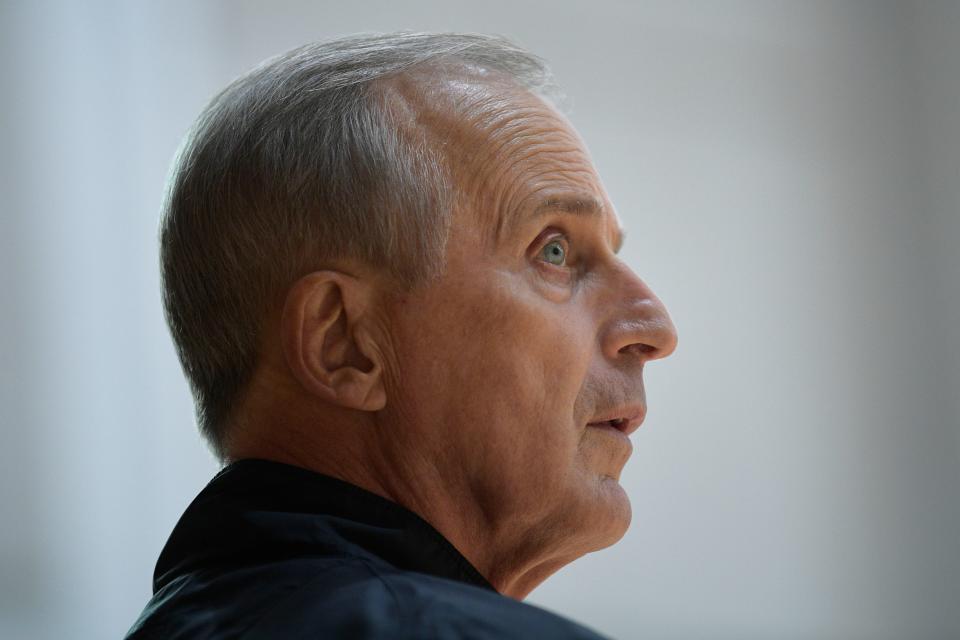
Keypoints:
pixel 507 163
pixel 558 179
pixel 513 189
pixel 488 130
pixel 506 130
pixel 532 147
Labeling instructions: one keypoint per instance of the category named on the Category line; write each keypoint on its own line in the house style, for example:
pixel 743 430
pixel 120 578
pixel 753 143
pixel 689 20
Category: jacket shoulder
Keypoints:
pixel 296 599
pixel 350 598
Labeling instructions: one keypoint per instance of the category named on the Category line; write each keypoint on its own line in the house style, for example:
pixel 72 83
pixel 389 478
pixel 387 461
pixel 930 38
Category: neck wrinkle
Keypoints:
pixel 417 483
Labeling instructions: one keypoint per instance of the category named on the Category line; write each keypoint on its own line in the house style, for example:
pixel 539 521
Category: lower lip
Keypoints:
pixel 612 430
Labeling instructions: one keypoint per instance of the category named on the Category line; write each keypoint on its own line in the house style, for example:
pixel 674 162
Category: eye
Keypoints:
pixel 555 253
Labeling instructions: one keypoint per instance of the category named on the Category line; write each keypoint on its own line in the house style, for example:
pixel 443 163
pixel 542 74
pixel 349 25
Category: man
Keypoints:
pixel 390 270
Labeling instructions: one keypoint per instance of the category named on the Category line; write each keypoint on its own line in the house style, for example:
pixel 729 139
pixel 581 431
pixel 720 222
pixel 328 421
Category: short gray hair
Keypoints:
pixel 293 166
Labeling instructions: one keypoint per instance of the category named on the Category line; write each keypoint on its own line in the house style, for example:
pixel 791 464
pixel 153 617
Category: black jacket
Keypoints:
pixel 273 551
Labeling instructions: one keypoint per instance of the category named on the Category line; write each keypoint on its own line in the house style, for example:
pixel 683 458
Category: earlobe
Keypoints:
pixel 325 343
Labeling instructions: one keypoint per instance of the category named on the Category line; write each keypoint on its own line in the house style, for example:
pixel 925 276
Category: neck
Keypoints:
pixel 349 446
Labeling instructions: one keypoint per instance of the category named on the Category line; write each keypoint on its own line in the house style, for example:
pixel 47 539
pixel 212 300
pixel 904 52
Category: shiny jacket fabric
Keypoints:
pixel 268 550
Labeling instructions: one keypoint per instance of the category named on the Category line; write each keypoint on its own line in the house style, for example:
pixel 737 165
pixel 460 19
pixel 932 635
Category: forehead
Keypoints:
pixel 512 155
pixel 526 160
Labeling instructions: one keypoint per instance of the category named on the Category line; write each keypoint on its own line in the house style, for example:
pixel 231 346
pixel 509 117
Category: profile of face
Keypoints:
pixel 495 399
pixel 518 371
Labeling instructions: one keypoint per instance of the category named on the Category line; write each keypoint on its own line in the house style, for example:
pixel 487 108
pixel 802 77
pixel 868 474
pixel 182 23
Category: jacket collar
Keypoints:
pixel 257 510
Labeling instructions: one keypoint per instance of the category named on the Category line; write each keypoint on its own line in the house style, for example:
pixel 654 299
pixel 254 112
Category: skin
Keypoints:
pixel 469 400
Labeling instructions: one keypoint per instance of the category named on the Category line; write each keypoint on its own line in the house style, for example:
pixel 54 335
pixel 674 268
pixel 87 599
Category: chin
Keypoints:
pixel 608 515
pixel 621 512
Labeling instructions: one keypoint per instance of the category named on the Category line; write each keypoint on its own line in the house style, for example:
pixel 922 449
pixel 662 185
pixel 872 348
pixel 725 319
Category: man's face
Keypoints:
pixel 534 332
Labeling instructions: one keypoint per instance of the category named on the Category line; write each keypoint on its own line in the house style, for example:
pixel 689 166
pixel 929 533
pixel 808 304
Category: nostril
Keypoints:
pixel 638 349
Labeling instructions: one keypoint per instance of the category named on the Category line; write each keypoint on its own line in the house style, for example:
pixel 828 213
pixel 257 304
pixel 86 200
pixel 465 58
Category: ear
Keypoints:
pixel 326 343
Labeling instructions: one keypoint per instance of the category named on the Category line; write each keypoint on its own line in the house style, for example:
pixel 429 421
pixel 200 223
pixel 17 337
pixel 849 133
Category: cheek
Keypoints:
pixel 496 390
pixel 504 366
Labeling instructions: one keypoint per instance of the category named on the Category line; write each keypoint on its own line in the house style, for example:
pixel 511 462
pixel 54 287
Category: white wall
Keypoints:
pixel 788 173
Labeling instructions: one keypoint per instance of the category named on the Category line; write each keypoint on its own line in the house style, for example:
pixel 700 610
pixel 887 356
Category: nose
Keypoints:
pixel 638 326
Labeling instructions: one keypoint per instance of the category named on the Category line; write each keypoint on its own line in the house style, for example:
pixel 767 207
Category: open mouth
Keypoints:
pixel 617 423
pixel 626 420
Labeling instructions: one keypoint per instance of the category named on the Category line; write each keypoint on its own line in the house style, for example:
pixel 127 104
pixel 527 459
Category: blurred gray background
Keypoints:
pixel 789 173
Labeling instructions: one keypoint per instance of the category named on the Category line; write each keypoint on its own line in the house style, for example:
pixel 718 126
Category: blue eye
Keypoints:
pixel 554 253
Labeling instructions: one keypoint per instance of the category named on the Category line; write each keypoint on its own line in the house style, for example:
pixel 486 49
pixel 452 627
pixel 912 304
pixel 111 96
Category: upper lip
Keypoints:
pixel 627 418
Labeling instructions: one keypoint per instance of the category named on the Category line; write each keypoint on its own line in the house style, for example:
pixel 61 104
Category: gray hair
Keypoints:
pixel 295 165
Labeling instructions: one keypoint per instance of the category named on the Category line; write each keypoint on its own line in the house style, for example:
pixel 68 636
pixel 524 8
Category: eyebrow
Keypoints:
pixel 577 205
